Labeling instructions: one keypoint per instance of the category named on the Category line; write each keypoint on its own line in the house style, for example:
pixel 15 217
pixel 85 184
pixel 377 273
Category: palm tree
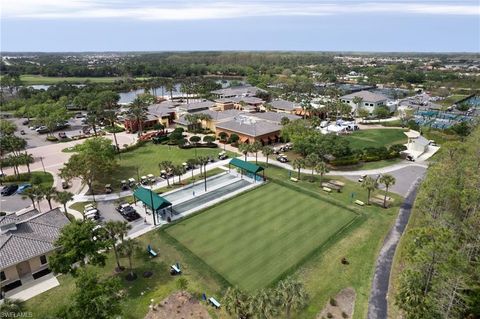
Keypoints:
pixel 370 185
pixel 170 87
pixel 127 248
pixel 116 230
pixel 223 138
pixel 192 162
pixel 321 168
pixel 298 164
pixel 63 198
pixel 28 158
pixel 357 100
pixel 31 193
pixel 178 170
pixel 267 151
pixel 291 295
pixel 387 180
pixel 312 161
pixel 244 148
pixel 166 166
pixel 111 117
pixel 255 147
pixel 49 194
pixel 238 303
pixel 11 306
pixel 139 113
pixel 203 160
pixel 266 304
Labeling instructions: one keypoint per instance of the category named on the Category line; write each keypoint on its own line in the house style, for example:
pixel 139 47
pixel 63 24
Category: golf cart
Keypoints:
pixel 222 155
pixel 151 178
pixel 144 180
pixel 131 182
pixel 108 189
pixel 282 158
pixel 124 185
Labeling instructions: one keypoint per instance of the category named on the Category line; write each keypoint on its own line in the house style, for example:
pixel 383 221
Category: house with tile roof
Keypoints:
pixel 370 100
pixel 284 106
pixel 26 242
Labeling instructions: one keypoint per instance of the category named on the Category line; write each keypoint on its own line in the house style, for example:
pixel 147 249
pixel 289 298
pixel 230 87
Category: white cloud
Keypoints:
pixel 228 9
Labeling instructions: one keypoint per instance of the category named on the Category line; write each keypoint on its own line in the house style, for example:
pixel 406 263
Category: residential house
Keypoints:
pixel 26 242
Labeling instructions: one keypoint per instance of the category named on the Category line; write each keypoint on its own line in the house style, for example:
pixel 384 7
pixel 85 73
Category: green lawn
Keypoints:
pixel 29 79
pixel 376 138
pixel 256 237
pixel 147 157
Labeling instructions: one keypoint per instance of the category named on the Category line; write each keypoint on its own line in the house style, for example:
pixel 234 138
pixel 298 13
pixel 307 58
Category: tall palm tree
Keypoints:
pixel 116 231
pixel 266 304
pixel 31 193
pixel 244 148
pixel 357 100
pixel 127 248
pixel 49 194
pixel 238 303
pixel 111 117
pixel 298 164
pixel 267 151
pixel 291 295
pixel 138 112
pixel 63 198
pixel 223 138
pixel 321 168
pixel 170 87
pixel 387 180
pixel 255 147
pixel 203 160
pixel 28 158
pixel 192 162
pixel 312 161
pixel 166 166
pixel 178 170
pixel 370 185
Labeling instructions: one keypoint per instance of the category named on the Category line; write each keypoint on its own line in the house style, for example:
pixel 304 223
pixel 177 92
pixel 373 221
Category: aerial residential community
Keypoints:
pixel 244 182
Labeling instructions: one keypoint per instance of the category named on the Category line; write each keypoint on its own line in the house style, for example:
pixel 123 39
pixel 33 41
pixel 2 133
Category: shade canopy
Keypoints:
pixel 249 167
pixel 149 198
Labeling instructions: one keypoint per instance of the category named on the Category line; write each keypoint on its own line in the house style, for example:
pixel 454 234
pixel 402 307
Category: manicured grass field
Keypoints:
pixel 256 237
pixel 28 79
pixel 376 138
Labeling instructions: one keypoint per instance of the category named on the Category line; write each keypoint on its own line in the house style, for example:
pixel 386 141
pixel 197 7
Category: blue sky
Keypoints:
pixel 322 25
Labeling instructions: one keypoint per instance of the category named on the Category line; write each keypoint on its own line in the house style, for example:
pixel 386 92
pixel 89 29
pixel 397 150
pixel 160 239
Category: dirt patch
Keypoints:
pixel 180 305
pixel 341 306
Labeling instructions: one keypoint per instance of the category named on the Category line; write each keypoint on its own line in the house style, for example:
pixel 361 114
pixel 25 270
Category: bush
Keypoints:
pixel 36 180
pixel 333 302
pixel 344 314
pixel 23 177
pixel 52 138
pixel 329 315
pixel 344 161
pixel 397 148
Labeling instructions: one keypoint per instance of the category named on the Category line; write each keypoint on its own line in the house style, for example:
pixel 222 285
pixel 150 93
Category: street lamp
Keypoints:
pixel 43 165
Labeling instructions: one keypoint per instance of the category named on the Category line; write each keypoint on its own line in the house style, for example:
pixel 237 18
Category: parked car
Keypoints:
pixel 25 122
pixel 62 135
pixel 282 159
pixel 130 214
pixel 9 190
pixel 22 188
pixel 22 132
pixel 410 158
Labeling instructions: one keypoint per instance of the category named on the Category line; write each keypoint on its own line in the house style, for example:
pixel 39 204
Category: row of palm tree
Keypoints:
pixel 288 296
pixel 17 160
pixel 246 148
pixel 370 184
pixel 38 193
pixel 314 162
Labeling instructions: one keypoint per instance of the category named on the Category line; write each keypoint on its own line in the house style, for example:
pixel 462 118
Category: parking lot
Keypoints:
pixel 35 139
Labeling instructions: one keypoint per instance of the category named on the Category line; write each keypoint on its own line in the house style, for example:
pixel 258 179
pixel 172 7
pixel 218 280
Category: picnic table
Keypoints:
pixel 175 269
pixel 214 302
pixel 331 186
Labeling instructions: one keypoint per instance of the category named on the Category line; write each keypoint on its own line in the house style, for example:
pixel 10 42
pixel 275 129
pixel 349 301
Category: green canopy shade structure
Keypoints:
pixel 247 167
pixel 152 200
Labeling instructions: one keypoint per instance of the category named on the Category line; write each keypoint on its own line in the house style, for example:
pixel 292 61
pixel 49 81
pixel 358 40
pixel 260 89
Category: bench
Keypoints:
pixel 327 189
pixel 214 302
pixel 293 179
pixel 359 202
pixel 151 251
pixel 332 186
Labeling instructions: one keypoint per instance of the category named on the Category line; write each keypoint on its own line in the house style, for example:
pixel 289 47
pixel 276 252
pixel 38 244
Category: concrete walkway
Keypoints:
pixel 377 305
pixel 33 288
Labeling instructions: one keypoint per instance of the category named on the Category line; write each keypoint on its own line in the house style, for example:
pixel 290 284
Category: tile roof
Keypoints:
pixel 367 96
pixel 274 116
pixel 197 106
pixel 284 105
pixel 34 235
pixel 250 126
pixel 244 90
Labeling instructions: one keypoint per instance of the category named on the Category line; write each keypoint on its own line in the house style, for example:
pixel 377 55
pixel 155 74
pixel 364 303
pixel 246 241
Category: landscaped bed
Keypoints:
pixel 256 237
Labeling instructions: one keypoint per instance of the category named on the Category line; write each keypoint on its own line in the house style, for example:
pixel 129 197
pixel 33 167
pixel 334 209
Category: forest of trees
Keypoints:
pixel 441 252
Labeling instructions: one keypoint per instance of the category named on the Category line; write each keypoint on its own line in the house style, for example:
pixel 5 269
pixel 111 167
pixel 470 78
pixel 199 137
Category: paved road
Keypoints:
pixel 377 305
pixel 404 178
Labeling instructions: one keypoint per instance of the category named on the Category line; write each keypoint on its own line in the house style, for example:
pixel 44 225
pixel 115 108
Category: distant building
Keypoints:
pixel 369 100
pixel 26 242
pixel 237 91
pixel 161 113
pixel 283 106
